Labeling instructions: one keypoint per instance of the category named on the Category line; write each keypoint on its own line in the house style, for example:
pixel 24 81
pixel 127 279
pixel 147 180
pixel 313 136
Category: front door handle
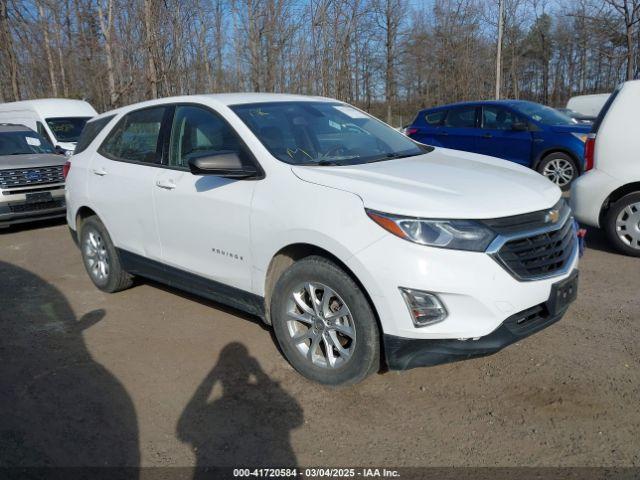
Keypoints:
pixel 487 135
pixel 166 184
pixel 101 172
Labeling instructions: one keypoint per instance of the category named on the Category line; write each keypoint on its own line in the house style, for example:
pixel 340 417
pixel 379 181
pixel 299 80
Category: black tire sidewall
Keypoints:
pixel 610 224
pixel 552 156
pixel 366 356
pixel 115 270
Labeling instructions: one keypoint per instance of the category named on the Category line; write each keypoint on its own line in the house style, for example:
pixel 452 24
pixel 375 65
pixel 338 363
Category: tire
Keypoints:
pixel 100 257
pixel 622 224
pixel 560 168
pixel 344 350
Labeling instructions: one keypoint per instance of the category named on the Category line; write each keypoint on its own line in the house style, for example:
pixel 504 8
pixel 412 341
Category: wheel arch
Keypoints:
pixel 82 214
pixel 551 150
pixel 616 195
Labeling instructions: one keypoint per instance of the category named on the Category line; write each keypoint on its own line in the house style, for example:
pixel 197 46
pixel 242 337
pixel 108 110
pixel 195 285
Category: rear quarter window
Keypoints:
pixel 90 132
pixel 433 119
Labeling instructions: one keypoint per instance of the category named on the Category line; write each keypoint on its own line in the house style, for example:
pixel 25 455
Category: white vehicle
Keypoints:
pixel 59 120
pixel 350 239
pixel 608 194
pixel 588 105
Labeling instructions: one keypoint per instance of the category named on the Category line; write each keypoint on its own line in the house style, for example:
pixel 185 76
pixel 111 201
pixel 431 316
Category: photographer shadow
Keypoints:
pixel 248 425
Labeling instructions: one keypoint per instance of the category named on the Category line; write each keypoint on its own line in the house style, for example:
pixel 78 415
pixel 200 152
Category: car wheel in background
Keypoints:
pixel 560 168
pixel 100 257
pixel 622 224
pixel 324 324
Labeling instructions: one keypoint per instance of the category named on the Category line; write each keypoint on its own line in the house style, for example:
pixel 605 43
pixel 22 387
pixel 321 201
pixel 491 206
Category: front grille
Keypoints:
pixel 25 177
pixel 34 207
pixel 539 255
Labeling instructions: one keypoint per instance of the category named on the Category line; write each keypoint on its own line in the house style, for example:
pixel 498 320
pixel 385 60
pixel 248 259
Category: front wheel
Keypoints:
pixel 560 168
pixel 324 323
pixel 622 224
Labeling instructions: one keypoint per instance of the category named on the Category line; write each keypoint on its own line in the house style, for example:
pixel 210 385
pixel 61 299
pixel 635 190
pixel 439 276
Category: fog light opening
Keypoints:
pixel 425 308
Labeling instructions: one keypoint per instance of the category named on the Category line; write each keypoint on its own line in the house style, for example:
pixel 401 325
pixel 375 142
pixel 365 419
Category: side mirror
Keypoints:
pixel 519 127
pixel 222 164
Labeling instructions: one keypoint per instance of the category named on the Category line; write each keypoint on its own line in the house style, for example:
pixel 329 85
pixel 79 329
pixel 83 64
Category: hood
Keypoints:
pixel 31 160
pixel 577 128
pixel 441 184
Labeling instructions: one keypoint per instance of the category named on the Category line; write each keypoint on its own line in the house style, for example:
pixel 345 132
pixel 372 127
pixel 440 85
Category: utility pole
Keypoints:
pixel 499 52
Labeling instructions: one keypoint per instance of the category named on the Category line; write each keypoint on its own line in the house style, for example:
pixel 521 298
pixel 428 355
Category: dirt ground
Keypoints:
pixel 154 377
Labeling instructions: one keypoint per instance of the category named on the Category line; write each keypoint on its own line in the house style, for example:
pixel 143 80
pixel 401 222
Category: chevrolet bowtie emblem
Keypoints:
pixel 552 216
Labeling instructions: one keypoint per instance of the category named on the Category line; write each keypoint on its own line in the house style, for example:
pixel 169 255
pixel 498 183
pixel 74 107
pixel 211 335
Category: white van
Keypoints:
pixel 589 105
pixel 60 120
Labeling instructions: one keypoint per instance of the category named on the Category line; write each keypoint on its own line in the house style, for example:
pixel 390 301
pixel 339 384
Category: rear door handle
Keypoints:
pixel 166 184
pixel 101 172
pixel 442 133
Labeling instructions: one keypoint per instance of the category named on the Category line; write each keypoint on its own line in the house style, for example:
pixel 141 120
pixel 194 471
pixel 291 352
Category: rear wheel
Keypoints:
pixel 560 168
pixel 100 257
pixel 324 323
pixel 622 224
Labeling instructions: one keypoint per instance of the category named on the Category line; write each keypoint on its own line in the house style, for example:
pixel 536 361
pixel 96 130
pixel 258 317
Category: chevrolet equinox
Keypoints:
pixel 360 247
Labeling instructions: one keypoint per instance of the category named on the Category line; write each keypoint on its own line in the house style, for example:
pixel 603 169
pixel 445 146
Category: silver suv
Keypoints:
pixel 31 177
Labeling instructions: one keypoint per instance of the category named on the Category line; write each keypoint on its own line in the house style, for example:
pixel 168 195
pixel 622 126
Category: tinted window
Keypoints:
pixel 136 137
pixel 43 133
pixel 543 114
pixel 498 118
pixel 197 132
pixel 463 117
pixel 67 129
pixel 91 131
pixel 25 142
pixel 434 118
pixel 323 133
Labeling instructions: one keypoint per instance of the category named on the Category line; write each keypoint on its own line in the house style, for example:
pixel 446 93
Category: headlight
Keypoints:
pixel 454 234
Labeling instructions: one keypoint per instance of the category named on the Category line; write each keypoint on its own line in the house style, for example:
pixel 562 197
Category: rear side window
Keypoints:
pixel 90 132
pixel 136 138
pixel 462 117
pixel 433 119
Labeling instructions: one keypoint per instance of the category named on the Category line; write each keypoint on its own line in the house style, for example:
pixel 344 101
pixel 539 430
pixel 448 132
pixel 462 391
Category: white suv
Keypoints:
pixel 358 245
pixel 608 194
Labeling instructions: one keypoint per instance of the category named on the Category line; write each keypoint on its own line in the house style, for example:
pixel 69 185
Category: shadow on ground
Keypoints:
pixel 59 407
pixel 596 239
pixel 239 416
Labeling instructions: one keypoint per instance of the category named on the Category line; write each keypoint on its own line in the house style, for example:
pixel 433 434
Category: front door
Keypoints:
pixel 499 139
pixel 459 129
pixel 203 220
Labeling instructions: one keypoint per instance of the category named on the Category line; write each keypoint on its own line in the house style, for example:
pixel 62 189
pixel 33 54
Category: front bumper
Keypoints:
pixel 406 353
pixel 16 208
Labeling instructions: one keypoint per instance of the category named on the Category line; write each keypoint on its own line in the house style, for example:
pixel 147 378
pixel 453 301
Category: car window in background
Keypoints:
pixel 461 117
pixel 543 114
pixel 321 133
pixel 67 129
pixel 136 137
pixel 498 118
pixel 434 118
pixel 91 131
pixel 197 132
pixel 25 142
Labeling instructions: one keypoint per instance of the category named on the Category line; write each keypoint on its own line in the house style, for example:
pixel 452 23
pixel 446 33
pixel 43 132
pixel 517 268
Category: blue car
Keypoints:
pixel 527 133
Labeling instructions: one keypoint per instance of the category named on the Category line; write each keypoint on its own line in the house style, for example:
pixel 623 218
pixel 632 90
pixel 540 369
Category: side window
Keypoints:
pixel 433 119
pixel 136 137
pixel 43 133
pixel 498 118
pixel 90 132
pixel 462 117
pixel 197 132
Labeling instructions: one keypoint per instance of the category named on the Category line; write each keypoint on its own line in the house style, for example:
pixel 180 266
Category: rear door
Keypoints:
pixel 460 129
pixel 426 127
pixel 121 179
pixel 500 139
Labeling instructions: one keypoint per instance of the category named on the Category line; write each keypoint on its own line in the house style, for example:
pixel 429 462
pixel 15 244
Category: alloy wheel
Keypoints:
pixel 96 256
pixel 628 225
pixel 560 171
pixel 320 325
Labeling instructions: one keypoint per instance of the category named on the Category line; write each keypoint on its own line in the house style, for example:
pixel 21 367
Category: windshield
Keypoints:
pixel 67 129
pixel 24 142
pixel 322 133
pixel 544 115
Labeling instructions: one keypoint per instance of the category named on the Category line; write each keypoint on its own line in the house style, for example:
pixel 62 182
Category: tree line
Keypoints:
pixel 390 57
